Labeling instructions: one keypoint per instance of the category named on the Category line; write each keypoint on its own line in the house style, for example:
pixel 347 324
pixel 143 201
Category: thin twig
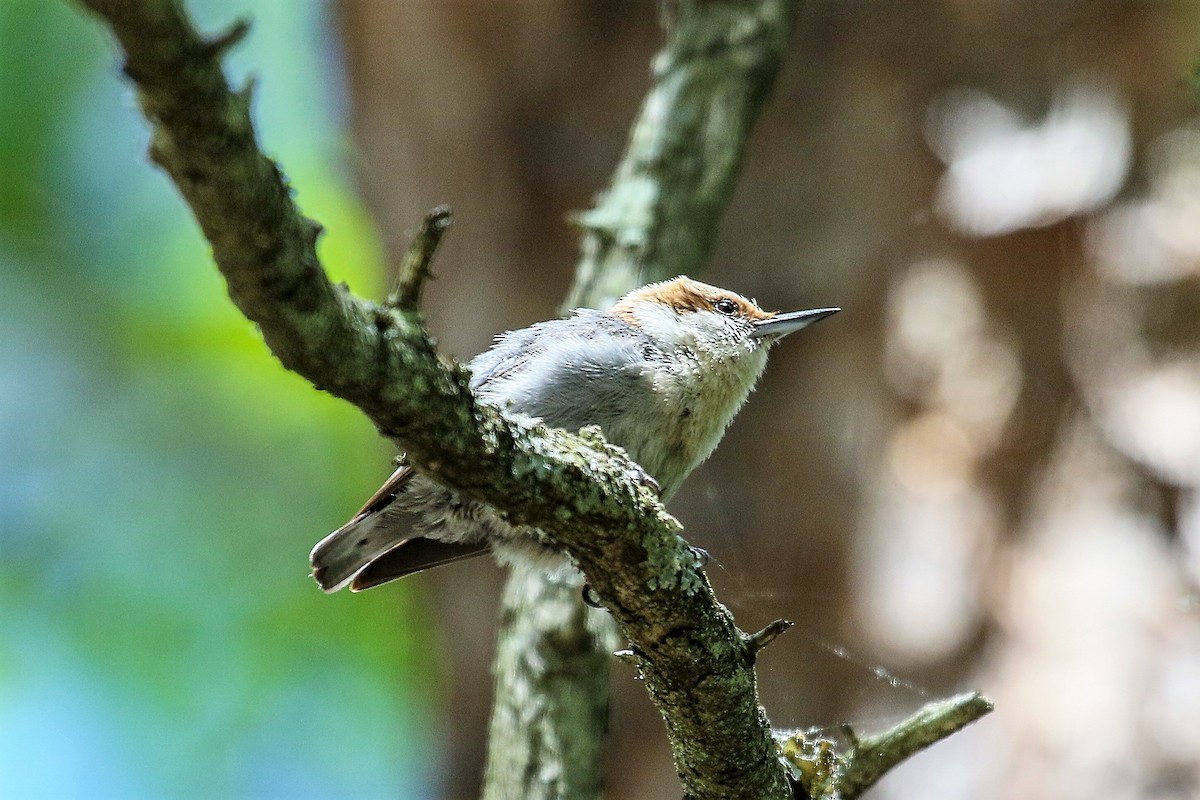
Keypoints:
pixel 827 774
pixel 755 642
pixel 873 756
pixel 414 267
pixel 222 43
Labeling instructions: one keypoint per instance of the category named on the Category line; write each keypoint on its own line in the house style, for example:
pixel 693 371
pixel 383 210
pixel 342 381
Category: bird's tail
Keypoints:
pixel 378 544
pixel 410 556
pixel 375 548
pixel 341 555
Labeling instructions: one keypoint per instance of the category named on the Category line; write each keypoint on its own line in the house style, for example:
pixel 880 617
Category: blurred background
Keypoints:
pixel 985 473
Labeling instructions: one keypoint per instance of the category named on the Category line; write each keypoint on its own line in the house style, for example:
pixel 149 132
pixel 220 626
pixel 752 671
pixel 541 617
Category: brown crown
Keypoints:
pixel 685 296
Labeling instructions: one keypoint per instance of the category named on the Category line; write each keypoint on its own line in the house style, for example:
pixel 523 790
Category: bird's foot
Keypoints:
pixel 590 598
pixel 643 478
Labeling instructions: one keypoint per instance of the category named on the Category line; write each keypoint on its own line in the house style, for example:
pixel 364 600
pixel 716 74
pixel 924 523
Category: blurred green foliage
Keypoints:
pixel 161 476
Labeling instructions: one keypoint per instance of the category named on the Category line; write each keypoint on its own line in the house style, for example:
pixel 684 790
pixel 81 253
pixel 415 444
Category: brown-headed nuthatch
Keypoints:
pixel 662 373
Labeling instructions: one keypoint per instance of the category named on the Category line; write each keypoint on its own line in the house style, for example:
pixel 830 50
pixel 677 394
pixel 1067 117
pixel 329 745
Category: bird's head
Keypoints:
pixel 718 326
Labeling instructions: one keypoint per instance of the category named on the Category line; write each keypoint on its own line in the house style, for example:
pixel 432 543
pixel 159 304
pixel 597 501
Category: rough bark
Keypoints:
pixel 550 714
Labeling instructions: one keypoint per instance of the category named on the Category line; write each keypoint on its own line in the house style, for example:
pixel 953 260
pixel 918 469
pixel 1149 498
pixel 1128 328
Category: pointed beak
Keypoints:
pixel 781 325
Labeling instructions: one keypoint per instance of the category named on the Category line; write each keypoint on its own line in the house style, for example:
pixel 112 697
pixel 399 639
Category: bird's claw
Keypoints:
pixel 643 478
pixel 590 598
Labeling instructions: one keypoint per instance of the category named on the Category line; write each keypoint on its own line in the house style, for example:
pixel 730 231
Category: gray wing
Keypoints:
pixel 587 369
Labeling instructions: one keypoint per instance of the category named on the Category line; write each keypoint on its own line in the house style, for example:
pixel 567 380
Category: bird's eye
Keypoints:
pixel 726 306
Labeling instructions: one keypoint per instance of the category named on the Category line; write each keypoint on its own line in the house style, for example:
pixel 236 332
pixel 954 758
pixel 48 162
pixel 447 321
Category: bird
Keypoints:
pixel 662 373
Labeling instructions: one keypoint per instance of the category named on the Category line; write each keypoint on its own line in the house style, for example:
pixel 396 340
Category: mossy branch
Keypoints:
pixel 577 488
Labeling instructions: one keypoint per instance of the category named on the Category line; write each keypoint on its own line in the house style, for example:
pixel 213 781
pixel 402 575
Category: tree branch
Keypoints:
pixel 550 713
pixel 827 775
pixel 577 488
pixel 758 641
